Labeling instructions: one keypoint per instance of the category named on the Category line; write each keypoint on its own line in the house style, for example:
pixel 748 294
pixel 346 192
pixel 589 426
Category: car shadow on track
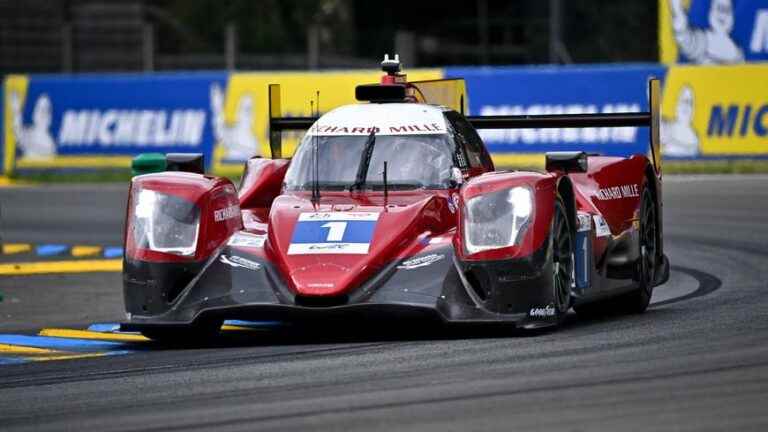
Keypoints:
pixel 403 330
pixel 360 333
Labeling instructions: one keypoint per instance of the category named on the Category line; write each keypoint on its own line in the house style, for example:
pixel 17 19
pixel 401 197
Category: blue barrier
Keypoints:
pixel 93 120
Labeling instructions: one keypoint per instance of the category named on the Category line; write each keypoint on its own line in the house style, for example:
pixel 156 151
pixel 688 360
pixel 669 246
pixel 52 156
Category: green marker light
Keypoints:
pixel 147 163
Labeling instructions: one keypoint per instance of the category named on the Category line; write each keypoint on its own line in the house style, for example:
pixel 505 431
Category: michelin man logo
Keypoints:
pixel 35 140
pixel 678 137
pixel 713 45
pixel 238 140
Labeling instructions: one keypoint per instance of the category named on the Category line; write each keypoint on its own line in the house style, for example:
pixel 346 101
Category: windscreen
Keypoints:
pixel 413 162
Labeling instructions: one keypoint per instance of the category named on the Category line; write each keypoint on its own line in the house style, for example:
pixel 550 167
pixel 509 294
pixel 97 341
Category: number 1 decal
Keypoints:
pixel 335 231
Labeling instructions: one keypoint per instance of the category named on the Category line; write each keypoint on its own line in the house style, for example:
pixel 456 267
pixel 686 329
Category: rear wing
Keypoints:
pixel 650 119
pixel 451 93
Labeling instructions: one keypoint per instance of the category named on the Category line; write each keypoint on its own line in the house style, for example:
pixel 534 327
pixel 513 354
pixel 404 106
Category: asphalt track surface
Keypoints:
pixel 697 360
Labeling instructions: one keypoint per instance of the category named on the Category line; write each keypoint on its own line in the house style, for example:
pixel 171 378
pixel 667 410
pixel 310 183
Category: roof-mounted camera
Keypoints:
pixel 393 69
pixel 393 85
pixel 391 66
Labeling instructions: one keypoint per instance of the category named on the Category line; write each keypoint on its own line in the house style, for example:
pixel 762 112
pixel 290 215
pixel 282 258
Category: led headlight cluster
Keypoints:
pixel 498 219
pixel 164 223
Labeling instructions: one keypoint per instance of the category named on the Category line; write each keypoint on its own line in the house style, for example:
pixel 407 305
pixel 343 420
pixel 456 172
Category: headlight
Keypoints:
pixel 164 223
pixel 497 219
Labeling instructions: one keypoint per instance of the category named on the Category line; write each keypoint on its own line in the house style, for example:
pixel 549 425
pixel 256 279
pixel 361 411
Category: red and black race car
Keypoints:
pixel 392 208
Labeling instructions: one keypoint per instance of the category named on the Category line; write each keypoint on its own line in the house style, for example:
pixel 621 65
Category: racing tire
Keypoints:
pixel 638 300
pixel 195 334
pixel 562 260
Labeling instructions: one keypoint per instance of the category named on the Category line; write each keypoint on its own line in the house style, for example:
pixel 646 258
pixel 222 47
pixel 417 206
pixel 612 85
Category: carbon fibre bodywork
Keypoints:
pixel 431 285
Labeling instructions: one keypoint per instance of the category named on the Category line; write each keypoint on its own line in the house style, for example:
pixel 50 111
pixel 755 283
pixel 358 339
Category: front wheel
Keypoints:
pixel 562 260
pixel 637 301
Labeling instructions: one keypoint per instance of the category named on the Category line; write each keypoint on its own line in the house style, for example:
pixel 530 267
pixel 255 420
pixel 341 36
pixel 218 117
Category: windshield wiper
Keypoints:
pixel 365 161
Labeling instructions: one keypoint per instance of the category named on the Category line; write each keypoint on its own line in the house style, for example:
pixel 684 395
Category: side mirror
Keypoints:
pixel 186 162
pixel 565 161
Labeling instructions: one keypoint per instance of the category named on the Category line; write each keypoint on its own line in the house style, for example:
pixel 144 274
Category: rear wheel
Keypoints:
pixel 637 301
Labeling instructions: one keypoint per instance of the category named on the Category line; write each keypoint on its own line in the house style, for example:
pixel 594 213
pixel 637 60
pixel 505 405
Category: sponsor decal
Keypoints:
pixel 583 251
pixel 333 233
pixel 453 202
pixel 421 261
pixel 439 240
pixel 247 240
pixel 601 226
pixel 230 212
pixel 402 129
pixel 328 248
pixel 238 261
pixel 584 221
pixel 320 285
pixel 381 118
pixel 339 216
pixel 618 192
pixel 546 311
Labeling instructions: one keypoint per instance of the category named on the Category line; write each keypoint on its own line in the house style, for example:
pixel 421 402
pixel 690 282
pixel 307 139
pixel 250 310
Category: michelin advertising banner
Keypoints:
pixel 95 121
pixel 103 120
pixel 559 90
pixel 715 111
pixel 713 31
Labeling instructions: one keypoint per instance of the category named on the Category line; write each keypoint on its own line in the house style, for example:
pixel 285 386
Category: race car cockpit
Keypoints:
pixel 413 162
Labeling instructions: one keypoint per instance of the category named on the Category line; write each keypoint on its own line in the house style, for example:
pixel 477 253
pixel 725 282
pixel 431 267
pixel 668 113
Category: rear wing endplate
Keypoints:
pixel 278 123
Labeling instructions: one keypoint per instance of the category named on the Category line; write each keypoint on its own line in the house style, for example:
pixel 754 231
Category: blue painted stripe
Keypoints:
pixel 13 360
pixel 119 352
pixel 104 327
pixel 51 249
pixel 77 345
pixel 113 252
pixel 241 323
